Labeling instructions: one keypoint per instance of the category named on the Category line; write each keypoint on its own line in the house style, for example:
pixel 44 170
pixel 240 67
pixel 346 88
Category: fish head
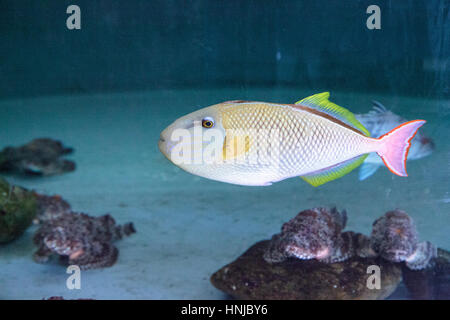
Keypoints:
pixel 398 244
pixel 421 146
pixel 59 242
pixel 396 235
pixel 194 142
pixel 307 248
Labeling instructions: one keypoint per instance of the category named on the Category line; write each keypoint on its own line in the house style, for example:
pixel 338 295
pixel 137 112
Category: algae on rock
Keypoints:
pixel 17 210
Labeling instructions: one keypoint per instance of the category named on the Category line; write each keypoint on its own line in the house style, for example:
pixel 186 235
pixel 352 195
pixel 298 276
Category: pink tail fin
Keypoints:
pixel 395 147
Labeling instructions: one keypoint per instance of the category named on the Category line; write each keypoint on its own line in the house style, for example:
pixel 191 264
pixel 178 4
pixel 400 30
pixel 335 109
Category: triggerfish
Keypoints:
pixel 259 143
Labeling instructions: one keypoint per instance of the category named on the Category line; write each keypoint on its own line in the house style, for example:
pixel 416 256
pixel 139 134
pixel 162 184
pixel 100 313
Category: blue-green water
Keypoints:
pixel 135 66
pixel 188 227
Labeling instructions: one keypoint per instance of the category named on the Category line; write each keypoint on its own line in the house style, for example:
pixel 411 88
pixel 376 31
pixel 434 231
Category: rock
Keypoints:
pixel 432 282
pixel 18 208
pixel 38 157
pixel 251 277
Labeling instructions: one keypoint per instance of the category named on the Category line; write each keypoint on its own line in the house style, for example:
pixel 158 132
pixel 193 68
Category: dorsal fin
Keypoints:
pixel 377 107
pixel 321 103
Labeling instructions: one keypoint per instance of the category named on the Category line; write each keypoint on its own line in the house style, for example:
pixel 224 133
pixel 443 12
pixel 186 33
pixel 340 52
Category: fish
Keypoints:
pixel 379 121
pixel 255 143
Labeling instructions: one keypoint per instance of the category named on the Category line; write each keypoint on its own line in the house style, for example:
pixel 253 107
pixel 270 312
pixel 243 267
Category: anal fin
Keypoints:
pixel 334 172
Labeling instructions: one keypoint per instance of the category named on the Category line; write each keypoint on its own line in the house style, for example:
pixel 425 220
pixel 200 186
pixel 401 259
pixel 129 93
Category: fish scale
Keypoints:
pixel 304 137
pixel 316 140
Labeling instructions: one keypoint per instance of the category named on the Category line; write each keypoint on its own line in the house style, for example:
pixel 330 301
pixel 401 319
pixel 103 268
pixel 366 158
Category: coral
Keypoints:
pixel 17 210
pixel 38 157
pixel 80 240
pixel 394 237
pixel 314 234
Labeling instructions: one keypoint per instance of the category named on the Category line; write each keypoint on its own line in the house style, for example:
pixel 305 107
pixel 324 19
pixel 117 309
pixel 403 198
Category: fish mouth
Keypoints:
pixel 397 255
pixel 165 146
pixel 428 146
pixel 162 145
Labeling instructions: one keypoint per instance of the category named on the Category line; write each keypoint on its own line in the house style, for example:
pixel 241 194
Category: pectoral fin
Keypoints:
pixel 235 146
pixel 331 173
pixel 366 170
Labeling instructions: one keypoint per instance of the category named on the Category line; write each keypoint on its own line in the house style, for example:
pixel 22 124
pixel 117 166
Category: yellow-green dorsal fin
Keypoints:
pixel 329 174
pixel 320 102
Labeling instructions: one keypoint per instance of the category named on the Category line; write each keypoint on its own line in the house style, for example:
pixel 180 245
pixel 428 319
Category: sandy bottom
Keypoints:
pixel 188 227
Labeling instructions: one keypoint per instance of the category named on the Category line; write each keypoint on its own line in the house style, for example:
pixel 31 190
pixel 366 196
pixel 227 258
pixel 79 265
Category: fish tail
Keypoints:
pixel 124 230
pixel 395 146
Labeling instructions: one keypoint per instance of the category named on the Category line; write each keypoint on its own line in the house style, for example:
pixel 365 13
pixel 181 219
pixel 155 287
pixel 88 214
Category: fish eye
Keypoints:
pixel 207 123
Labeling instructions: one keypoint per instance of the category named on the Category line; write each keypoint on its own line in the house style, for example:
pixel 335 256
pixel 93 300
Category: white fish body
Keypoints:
pixel 314 139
